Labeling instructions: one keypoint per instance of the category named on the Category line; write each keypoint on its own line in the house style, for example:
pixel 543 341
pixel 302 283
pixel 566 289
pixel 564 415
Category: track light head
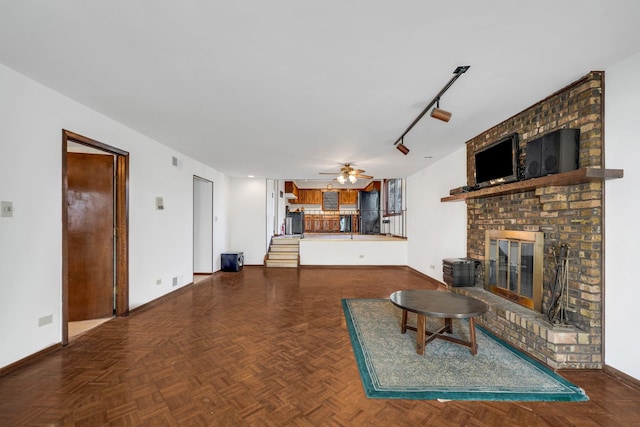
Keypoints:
pixel 439 114
pixel 436 113
pixel 403 149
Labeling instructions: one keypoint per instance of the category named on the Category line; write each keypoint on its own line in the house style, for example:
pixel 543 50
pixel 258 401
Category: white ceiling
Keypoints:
pixel 290 88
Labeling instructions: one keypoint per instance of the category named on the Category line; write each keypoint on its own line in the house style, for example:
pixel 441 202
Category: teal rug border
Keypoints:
pixel 576 394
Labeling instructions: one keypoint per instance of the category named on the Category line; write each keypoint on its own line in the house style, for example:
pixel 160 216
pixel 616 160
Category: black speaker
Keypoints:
pixel 560 151
pixel 532 158
pixel 555 152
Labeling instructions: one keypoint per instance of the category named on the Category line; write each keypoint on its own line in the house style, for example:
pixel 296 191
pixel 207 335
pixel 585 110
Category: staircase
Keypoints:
pixel 283 252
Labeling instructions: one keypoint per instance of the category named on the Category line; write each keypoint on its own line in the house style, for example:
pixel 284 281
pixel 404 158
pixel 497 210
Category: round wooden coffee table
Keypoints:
pixel 443 304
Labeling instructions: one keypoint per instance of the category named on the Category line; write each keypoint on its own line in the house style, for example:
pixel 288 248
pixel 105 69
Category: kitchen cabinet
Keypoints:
pixel 318 223
pixel 313 197
pixel 290 187
pixel 317 197
pixel 331 224
pixel 373 186
pixel 348 197
pixel 307 196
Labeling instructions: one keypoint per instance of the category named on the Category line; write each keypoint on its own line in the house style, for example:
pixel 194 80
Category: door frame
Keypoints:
pixel 210 219
pixel 121 207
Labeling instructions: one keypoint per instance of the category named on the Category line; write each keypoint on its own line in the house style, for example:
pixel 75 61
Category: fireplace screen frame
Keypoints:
pixel 507 277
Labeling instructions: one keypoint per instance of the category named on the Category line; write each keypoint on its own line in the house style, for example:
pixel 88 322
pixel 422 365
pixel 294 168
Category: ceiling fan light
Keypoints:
pixel 352 179
pixel 341 179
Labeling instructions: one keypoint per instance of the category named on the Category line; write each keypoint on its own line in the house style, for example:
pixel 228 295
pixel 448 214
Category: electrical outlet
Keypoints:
pixel 175 281
pixel 6 209
pixel 158 281
pixel 431 266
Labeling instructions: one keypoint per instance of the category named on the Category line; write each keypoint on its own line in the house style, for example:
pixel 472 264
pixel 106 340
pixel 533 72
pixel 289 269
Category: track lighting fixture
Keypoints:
pixel 403 148
pixel 437 113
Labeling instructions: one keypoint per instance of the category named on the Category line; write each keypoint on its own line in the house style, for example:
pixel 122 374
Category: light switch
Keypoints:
pixel 159 203
pixel 6 209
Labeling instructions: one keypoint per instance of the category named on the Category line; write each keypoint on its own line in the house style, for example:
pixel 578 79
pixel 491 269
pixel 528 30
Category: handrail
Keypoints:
pixel 353 221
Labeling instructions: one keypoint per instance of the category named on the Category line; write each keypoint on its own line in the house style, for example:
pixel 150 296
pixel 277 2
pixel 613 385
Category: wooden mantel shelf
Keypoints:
pixel 579 176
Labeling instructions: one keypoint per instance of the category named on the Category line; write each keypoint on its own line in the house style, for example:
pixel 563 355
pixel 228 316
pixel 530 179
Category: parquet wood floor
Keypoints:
pixel 261 347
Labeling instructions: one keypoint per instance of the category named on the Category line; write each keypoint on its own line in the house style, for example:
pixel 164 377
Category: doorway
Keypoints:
pixel 94 231
pixel 202 227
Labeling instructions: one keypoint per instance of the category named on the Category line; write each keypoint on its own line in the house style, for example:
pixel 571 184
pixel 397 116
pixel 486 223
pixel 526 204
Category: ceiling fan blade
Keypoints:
pixel 363 176
pixel 329 173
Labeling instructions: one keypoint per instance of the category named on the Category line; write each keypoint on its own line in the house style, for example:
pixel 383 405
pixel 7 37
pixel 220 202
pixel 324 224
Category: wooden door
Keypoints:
pixel 90 227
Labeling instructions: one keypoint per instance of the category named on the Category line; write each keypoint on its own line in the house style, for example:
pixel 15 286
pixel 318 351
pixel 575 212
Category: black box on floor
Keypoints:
pixel 459 272
pixel 232 261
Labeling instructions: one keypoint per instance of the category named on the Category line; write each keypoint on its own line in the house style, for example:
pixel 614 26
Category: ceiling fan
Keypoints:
pixel 348 173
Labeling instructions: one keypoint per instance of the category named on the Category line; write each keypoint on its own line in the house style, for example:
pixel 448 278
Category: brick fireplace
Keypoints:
pixel 567 212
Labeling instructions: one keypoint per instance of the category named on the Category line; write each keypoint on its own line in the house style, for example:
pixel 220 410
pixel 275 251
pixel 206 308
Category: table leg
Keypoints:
pixel 447 325
pixel 403 325
pixel 472 336
pixel 420 333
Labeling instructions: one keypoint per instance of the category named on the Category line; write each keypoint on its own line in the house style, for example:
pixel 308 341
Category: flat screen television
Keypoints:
pixel 497 163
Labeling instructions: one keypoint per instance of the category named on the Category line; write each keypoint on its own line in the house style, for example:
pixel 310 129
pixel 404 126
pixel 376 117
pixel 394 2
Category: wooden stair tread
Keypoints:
pixel 283 252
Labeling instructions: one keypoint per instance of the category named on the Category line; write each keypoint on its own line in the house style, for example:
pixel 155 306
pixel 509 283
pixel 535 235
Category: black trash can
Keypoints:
pixel 232 261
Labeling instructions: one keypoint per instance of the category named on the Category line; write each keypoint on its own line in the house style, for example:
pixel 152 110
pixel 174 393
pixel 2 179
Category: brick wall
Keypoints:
pixel 569 215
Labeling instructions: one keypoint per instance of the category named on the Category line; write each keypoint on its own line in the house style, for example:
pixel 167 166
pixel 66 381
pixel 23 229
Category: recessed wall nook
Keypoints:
pixel 567 208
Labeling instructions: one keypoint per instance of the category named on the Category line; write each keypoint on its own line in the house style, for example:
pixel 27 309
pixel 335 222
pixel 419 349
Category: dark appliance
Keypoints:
pixel 297 222
pixel 498 162
pixel 369 202
pixel 554 152
pixel 345 223
pixel 232 261
pixel 459 272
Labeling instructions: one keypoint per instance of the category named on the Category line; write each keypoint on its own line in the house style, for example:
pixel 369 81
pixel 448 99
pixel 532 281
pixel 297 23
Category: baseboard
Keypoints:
pixel 426 276
pixel 158 300
pixel 29 359
pixel 619 375
pixel 350 267
pixel 35 356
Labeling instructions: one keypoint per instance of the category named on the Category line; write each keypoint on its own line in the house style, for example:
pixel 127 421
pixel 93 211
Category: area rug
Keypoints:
pixel 390 368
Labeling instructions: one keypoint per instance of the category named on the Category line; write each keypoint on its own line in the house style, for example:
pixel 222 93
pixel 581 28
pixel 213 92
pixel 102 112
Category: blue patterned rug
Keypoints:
pixel 391 369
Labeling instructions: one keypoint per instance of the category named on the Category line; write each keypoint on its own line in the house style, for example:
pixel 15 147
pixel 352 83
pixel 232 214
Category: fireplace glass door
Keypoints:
pixel 514 271
pixel 511 272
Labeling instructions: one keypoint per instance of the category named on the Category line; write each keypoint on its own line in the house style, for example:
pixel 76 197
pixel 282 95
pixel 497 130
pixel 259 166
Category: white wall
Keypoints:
pixel 622 229
pixel 281 210
pixel 436 230
pixel 271 209
pixel 352 252
pixel 248 227
pixel 161 245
